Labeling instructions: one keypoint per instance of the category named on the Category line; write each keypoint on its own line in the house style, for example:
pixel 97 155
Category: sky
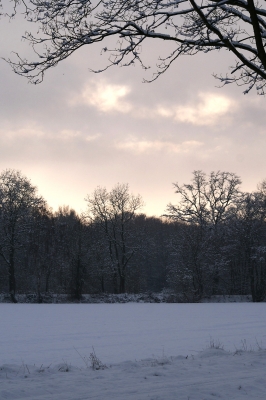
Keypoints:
pixel 78 130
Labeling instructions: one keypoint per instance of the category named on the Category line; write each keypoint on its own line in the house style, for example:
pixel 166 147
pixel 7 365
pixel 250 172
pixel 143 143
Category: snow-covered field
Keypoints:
pixel 151 351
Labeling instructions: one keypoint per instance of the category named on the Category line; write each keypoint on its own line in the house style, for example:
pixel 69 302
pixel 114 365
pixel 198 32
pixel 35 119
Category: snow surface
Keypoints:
pixel 151 351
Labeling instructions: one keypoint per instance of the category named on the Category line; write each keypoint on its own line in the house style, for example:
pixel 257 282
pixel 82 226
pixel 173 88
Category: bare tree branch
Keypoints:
pixel 193 26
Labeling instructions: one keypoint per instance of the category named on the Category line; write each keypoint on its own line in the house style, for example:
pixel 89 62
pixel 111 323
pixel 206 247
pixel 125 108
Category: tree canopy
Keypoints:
pixel 192 26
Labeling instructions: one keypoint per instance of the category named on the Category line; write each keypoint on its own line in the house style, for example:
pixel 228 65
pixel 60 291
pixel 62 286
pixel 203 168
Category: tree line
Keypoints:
pixel 212 242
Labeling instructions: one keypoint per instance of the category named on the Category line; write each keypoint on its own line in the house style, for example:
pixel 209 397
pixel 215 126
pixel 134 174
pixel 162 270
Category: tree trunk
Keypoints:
pixel 122 284
pixel 12 279
pixel 258 284
pixel 78 288
pixel 102 284
pixel 47 280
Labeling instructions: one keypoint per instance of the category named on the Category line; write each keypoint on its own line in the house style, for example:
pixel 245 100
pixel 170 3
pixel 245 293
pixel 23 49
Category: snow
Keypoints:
pixel 151 351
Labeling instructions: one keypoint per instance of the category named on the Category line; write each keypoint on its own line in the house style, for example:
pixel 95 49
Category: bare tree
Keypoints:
pixel 205 205
pixel 115 211
pixel 191 26
pixel 262 188
pixel 72 254
pixel 249 235
pixel 38 254
pixel 18 203
pixel 205 200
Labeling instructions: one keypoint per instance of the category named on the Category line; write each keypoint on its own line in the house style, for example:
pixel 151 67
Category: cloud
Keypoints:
pixel 206 111
pixel 68 134
pixel 91 138
pixel 105 97
pixel 23 133
pixel 144 146
pixel 37 133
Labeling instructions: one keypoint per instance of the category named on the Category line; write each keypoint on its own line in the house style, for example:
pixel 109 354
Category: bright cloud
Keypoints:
pixel 106 97
pixel 143 146
pixel 206 111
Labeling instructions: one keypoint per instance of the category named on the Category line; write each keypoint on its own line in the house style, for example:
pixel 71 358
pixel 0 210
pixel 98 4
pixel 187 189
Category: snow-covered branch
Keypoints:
pixel 192 26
